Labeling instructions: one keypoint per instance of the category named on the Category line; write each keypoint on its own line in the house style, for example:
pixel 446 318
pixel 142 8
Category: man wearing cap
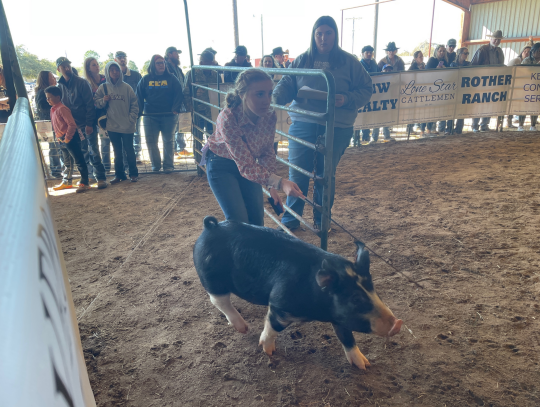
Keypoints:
pixel 77 96
pixel 214 52
pixel 450 50
pixel 132 78
pixel 279 56
pixel 371 67
pixel 172 60
pixel 238 60
pixel 392 59
pixel 489 54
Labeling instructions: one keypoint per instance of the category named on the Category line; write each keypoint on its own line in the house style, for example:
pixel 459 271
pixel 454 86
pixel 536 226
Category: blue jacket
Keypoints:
pixel 371 66
pixel 159 94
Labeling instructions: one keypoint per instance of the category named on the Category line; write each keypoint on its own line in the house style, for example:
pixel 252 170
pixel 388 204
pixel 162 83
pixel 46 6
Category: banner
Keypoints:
pixel 444 94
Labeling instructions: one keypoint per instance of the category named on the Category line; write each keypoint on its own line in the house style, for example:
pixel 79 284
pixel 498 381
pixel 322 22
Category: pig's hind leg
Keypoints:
pixel 223 303
pixel 272 326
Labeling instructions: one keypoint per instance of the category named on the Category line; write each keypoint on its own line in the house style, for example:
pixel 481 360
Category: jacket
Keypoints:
pixel 77 96
pixel 123 108
pixel 351 80
pixel 414 66
pixel 370 66
pixel 433 63
pixel 481 56
pixel 176 71
pixel 43 107
pixel 62 121
pixel 132 78
pixel 398 66
pixel 159 94
pixel 204 77
pixel 455 64
pixel 231 76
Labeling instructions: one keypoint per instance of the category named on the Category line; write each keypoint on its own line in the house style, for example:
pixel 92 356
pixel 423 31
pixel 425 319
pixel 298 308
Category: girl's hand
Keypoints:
pixel 277 199
pixel 291 189
pixel 106 98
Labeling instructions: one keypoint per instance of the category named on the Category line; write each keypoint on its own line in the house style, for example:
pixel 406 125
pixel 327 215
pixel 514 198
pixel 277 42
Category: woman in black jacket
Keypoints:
pixel 44 80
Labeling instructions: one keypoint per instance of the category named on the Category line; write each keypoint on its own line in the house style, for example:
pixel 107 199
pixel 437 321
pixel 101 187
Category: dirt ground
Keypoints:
pixel 460 215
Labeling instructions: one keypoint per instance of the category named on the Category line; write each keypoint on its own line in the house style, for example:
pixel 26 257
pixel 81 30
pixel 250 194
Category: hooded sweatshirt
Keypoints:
pixel 123 108
pixel 160 93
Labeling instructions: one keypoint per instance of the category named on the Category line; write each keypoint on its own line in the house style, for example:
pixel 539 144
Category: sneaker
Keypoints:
pixel 520 128
pixel 486 129
pixel 475 131
pixel 318 229
pixel 422 134
pixel 62 186
pixel 533 128
pixel 184 153
pixel 82 188
pixel 434 132
pixel 133 179
pixel 446 133
pixel 167 171
pixel 102 184
pixel 116 180
pixel 292 226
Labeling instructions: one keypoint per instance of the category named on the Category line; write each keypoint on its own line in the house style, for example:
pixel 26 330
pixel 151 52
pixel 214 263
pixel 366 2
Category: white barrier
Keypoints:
pixel 445 94
pixel 41 359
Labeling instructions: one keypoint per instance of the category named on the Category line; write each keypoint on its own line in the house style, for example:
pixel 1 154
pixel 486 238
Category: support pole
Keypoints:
pixel 376 27
pixel 188 33
pixel 262 37
pixel 341 45
pixel 431 33
pixel 235 21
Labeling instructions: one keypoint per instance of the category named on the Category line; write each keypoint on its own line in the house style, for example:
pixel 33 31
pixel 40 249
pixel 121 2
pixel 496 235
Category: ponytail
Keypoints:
pixel 242 84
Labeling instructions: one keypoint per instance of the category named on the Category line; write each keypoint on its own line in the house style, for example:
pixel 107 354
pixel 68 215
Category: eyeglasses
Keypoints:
pixel 160 63
pixel 451 46
pixel 465 53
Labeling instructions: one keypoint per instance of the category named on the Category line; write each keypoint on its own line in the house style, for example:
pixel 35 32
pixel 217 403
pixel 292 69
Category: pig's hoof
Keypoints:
pixel 241 326
pixel 269 346
pixel 355 357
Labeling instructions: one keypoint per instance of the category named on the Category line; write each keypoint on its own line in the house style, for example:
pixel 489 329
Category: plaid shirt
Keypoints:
pixel 251 146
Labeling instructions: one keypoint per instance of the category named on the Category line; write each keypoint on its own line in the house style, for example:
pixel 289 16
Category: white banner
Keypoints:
pixel 526 90
pixel 446 94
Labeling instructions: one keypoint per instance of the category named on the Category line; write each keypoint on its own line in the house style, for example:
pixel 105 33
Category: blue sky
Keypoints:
pixel 143 28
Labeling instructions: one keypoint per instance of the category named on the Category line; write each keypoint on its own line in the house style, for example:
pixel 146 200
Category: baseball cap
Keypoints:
pixel 387 66
pixel 451 41
pixel 120 54
pixel 62 60
pixel 172 49
pixel 241 50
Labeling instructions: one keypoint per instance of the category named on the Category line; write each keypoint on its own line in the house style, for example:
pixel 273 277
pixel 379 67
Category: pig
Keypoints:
pixel 296 280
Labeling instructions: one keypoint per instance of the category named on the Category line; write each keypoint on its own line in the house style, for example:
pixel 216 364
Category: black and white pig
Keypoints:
pixel 298 282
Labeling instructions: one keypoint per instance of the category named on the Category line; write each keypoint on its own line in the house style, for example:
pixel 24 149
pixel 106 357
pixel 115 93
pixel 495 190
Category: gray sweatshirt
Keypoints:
pixel 351 79
pixel 123 108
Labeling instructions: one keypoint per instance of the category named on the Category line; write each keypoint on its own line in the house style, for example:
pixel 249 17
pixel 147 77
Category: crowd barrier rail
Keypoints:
pixel 41 357
pixel 324 151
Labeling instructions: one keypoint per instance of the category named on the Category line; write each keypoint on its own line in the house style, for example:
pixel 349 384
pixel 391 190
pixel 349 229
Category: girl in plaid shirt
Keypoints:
pixel 240 154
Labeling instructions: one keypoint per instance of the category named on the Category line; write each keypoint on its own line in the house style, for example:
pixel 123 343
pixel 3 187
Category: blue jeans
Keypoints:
pixel 239 198
pixel 105 144
pixel 123 144
pixel 303 157
pixel 72 153
pixel 136 146
pixel 153 125
pixel 459 126
pixel 386 133
pixel 483 126
pixel 446 126
pixel 54 159
pixel 92 157
pixel 375 135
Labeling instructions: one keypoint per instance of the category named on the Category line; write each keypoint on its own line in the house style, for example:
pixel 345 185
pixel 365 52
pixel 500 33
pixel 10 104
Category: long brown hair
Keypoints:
pixel 152 66
pixel 88 75
pixel 337 55
pixel 43 80
pixel 243 81
pixel 2 78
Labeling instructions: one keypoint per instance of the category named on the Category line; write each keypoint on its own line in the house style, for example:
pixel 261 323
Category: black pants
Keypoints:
pixel 72 152
pixel 123 142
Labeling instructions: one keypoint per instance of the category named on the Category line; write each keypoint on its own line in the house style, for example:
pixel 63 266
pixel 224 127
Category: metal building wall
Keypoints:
pixel 516 18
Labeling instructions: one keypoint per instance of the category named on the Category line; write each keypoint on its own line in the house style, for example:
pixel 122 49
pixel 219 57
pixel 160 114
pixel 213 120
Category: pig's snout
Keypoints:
pixel 396 328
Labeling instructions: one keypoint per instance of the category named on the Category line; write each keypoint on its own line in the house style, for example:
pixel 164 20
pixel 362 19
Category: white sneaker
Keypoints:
pixel 476 131
pixel 533 128
pixel 520 128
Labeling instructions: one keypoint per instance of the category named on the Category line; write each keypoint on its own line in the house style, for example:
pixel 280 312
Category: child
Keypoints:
pixel 122 113
pixel 65 129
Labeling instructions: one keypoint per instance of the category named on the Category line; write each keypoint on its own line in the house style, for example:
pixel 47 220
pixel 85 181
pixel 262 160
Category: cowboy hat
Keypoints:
pixel 497 34
pixel 391 47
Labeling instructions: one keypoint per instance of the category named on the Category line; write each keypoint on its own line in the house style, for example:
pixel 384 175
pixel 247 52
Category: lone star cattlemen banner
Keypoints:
pixel 451 93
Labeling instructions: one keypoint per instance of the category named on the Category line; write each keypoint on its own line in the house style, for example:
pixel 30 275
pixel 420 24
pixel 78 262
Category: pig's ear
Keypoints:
pixel 326 276
pixel 362 261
